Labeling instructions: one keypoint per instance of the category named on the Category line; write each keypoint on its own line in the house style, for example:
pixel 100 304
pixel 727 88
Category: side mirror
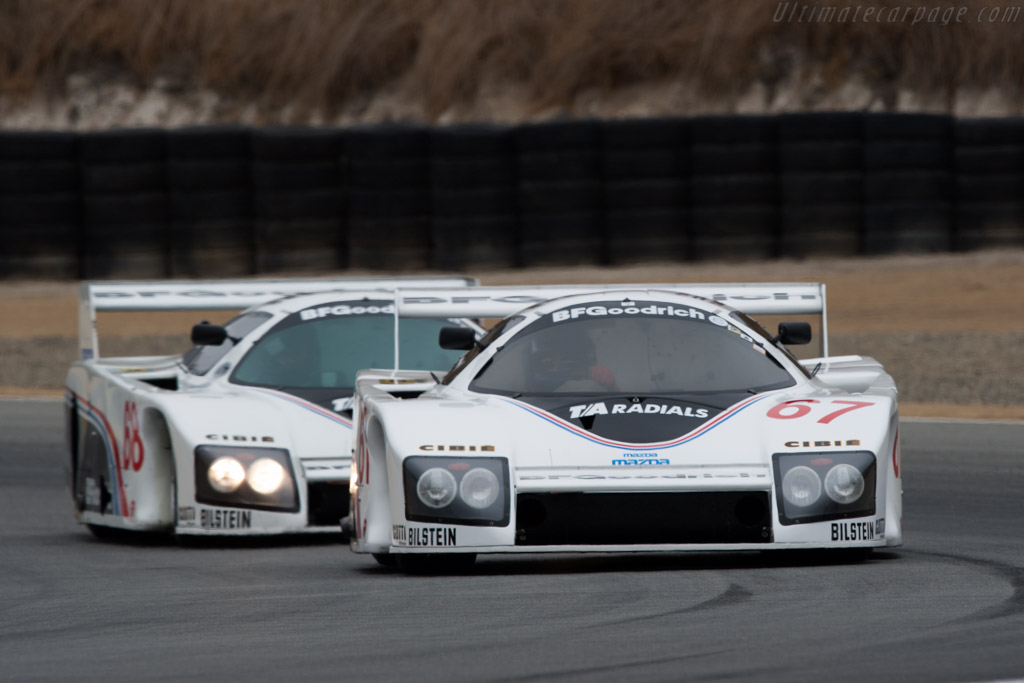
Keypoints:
pixel 207 334
pixel 456 338
pixel 794 333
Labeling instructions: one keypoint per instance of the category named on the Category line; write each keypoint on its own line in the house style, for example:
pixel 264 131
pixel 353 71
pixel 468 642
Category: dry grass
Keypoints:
pixel 443 55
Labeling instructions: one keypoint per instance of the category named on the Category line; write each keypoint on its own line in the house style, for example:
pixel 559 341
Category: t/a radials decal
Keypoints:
pixel 634 408
pixel 134 452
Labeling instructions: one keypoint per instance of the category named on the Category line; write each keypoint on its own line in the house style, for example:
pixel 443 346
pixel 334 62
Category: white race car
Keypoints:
pixel 624 419
pixel 249 432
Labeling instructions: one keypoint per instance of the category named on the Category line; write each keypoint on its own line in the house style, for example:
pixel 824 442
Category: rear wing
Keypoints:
pixel 770 298
pixel 215 295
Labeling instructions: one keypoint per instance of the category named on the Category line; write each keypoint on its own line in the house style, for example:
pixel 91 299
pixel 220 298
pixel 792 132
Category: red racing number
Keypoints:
pixel 791 410
pixel 133 450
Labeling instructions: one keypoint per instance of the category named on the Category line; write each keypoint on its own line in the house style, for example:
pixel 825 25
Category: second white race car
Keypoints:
pixel 250 431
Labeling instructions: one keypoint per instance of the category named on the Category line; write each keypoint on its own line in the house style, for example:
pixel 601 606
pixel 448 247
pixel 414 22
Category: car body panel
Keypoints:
pixel 135 425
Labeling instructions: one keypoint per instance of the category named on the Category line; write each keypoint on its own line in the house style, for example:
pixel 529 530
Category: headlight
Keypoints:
pixel 815 487
pixel 226 474
pixel 233 476
pixel 801 486
pixel 436 488
pixel 461 490
pixel 479 488
pixel 265 476
pixel 844 484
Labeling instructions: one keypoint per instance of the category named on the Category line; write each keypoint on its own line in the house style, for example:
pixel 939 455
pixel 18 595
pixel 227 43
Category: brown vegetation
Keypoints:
pixel 443 60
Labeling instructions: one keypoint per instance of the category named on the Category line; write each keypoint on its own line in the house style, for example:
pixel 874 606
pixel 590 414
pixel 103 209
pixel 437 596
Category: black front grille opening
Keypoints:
pixel 328 502
pixel 642 518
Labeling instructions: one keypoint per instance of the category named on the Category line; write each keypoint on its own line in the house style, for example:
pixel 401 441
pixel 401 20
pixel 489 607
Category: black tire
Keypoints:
pixel 908 228
pixel 385 204
pixel 821 156
pixel 646 235
pixel 645 195
pixel 885 126
pixel 642 164
pixel 38 146
pixel 638 134
pixel 207 175
pixel 208 143
pixel 386 560
pixel 822 230
pixel 731 130
pixel 821 126
pixel 294 233
pixel 560 197
pixel 49 177
pixel 574 165
pixel 208 206
pixel 706 159
pixel 43 209
pixel 731 190
pixel 822 188
pixel 899 155
pixel 387 141
pixel 479 241
pixel 990 131
pixel 437 564
pixel 482 172
pixel 472 141
pixel 987 226
pixel 558 136
pixel 474 202
pixel 296 175
pixel 386 174
pixel 144 176
pixel 892 187
pixel 125 146
pixel 973 189
pixel 719 232
pixel 296 144
pixel 122 209
pixel 322 205
pixel 994 159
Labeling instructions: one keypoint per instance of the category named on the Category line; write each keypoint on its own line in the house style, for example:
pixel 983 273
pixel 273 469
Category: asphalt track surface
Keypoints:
pixel 947 606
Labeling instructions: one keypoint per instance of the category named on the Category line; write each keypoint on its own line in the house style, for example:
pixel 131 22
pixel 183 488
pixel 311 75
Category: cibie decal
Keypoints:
pixel 134 452
pixel 838 443
pixel 344 310
pixel 626 309
pixel 603 408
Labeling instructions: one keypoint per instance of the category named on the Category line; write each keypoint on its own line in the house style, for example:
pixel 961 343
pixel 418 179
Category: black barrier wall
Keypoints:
pixel 231 201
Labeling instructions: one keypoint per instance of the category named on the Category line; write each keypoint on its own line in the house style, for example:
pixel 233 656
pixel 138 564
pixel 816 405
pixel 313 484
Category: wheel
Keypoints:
pixel 386 560
pixel 436 564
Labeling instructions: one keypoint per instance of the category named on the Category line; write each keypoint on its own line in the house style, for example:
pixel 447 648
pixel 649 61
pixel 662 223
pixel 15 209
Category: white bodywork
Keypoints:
pixel 134 424
pixel 835 406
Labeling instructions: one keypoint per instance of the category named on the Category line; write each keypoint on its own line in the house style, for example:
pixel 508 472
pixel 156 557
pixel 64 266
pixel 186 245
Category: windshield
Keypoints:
pixel 324 347
pixel 638 348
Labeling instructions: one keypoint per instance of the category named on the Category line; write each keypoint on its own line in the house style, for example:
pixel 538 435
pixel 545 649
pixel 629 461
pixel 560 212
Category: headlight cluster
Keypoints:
pixel 473 491
pixel 258 478
pixel 814 487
